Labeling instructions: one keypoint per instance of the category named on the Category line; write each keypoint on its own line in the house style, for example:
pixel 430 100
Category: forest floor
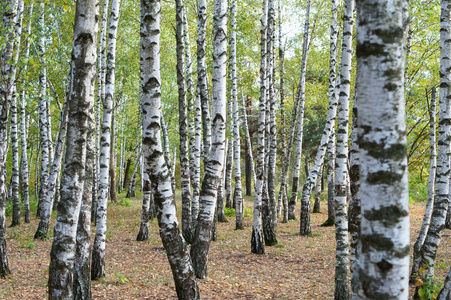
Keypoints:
pixel 297 268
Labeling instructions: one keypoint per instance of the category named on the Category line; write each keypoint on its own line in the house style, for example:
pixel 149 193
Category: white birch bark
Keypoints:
pixel 81 116
pixel 143 234
pixel 300 98
pixel 249 142
pixel 101 66
pixel 341 159
pixel 185 181
pixel 98 252
pixel 6 84
pixel 154 163
pixel 236 127
pixel 44 223
pixel 196 175
pixel 257 245
pixel 14 124
pixel 132 184
pixel 215 163
pixel 230 203
pixel 24 172
pixel 82 262
pixel 431 187
pixel 167 154
pixel 43 118
pixel 445 293
pixel 202 77
pixel 384 261
pixel 441 201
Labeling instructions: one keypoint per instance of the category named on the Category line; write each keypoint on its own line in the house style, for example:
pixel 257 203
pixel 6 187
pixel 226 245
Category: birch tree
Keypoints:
pixel 257 245
pixel 202 77
pixel 81 117
pixel 98 252
pixel 44 223
pixel 154 163
pixel 300 98
pixel 7 78
pixel 43 118
pixel 441 201
pixel 431 186
pixel 24 171
pixel 183 127
pixel 341 166
pixel 215 163
pixel 236 127
pixel 14 123
pixel 143 234
pixel 384 261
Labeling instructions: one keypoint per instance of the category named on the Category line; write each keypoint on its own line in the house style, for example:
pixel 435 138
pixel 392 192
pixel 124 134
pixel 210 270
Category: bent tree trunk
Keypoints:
pixel 431 188
pixel 215 163
pixel 300 98
pixel 81 115
pixel 441 202
pixel 154 162
pixel 384 261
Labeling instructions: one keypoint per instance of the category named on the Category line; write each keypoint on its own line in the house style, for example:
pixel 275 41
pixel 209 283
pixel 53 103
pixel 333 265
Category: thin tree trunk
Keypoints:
pixel 81 116
pixel 431 188
pixel 215 163
pixel 384 261
pixel 445 293
pixel 318 191
pixel 24 169
pixel 441 201
pixel 98 252
pixel 43 126
pixel 6 83
pixel 269 202
pixel 154 163
pixel 202 78
pixel 100 100
pixel 41 232
pixel 167 154
pixel 300 98
pixel 112 169
pixel 143 234
pixel 341 170
pixel 14 125
pixel 282 99
pixel 257 245
pixel 82 262
pixel 187 229
pixel 132 185
pixel 220 215
pixel 236 127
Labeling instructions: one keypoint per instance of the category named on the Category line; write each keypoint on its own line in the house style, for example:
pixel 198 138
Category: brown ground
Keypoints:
pixel 297 268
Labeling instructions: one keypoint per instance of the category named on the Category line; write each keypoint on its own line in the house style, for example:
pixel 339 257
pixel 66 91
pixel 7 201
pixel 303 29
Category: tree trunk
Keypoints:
pixel 239 209
pixel 187 229
pixel 318 191
pixel 215 163
pixel 384 261
pixel 24 169
pixel 269 201
pixel 43 228
pixel 81 115
pixel 431 188
pixel 300 98
pixel 6 83
pixel 445 293
pixel 82 262
pixel 202 78
pixel 107 143
pixel 167 154
pixel 220 215
pixel 341 169
pixel 132 185
pixel 282 98
pixel 143 234
pixel 14 125
pixel 100 100
pixel 257 245
pixel 154 163
pixel 43 126
pixel 441 201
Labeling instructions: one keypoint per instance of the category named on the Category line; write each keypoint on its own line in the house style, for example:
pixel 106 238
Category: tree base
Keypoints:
pixel 98 265
pixel 316 211
pixel 257 246
pixel 329 222
pixel 143 234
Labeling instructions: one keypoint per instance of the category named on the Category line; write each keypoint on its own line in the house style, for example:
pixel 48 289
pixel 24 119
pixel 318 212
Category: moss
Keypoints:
pixel 329 222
